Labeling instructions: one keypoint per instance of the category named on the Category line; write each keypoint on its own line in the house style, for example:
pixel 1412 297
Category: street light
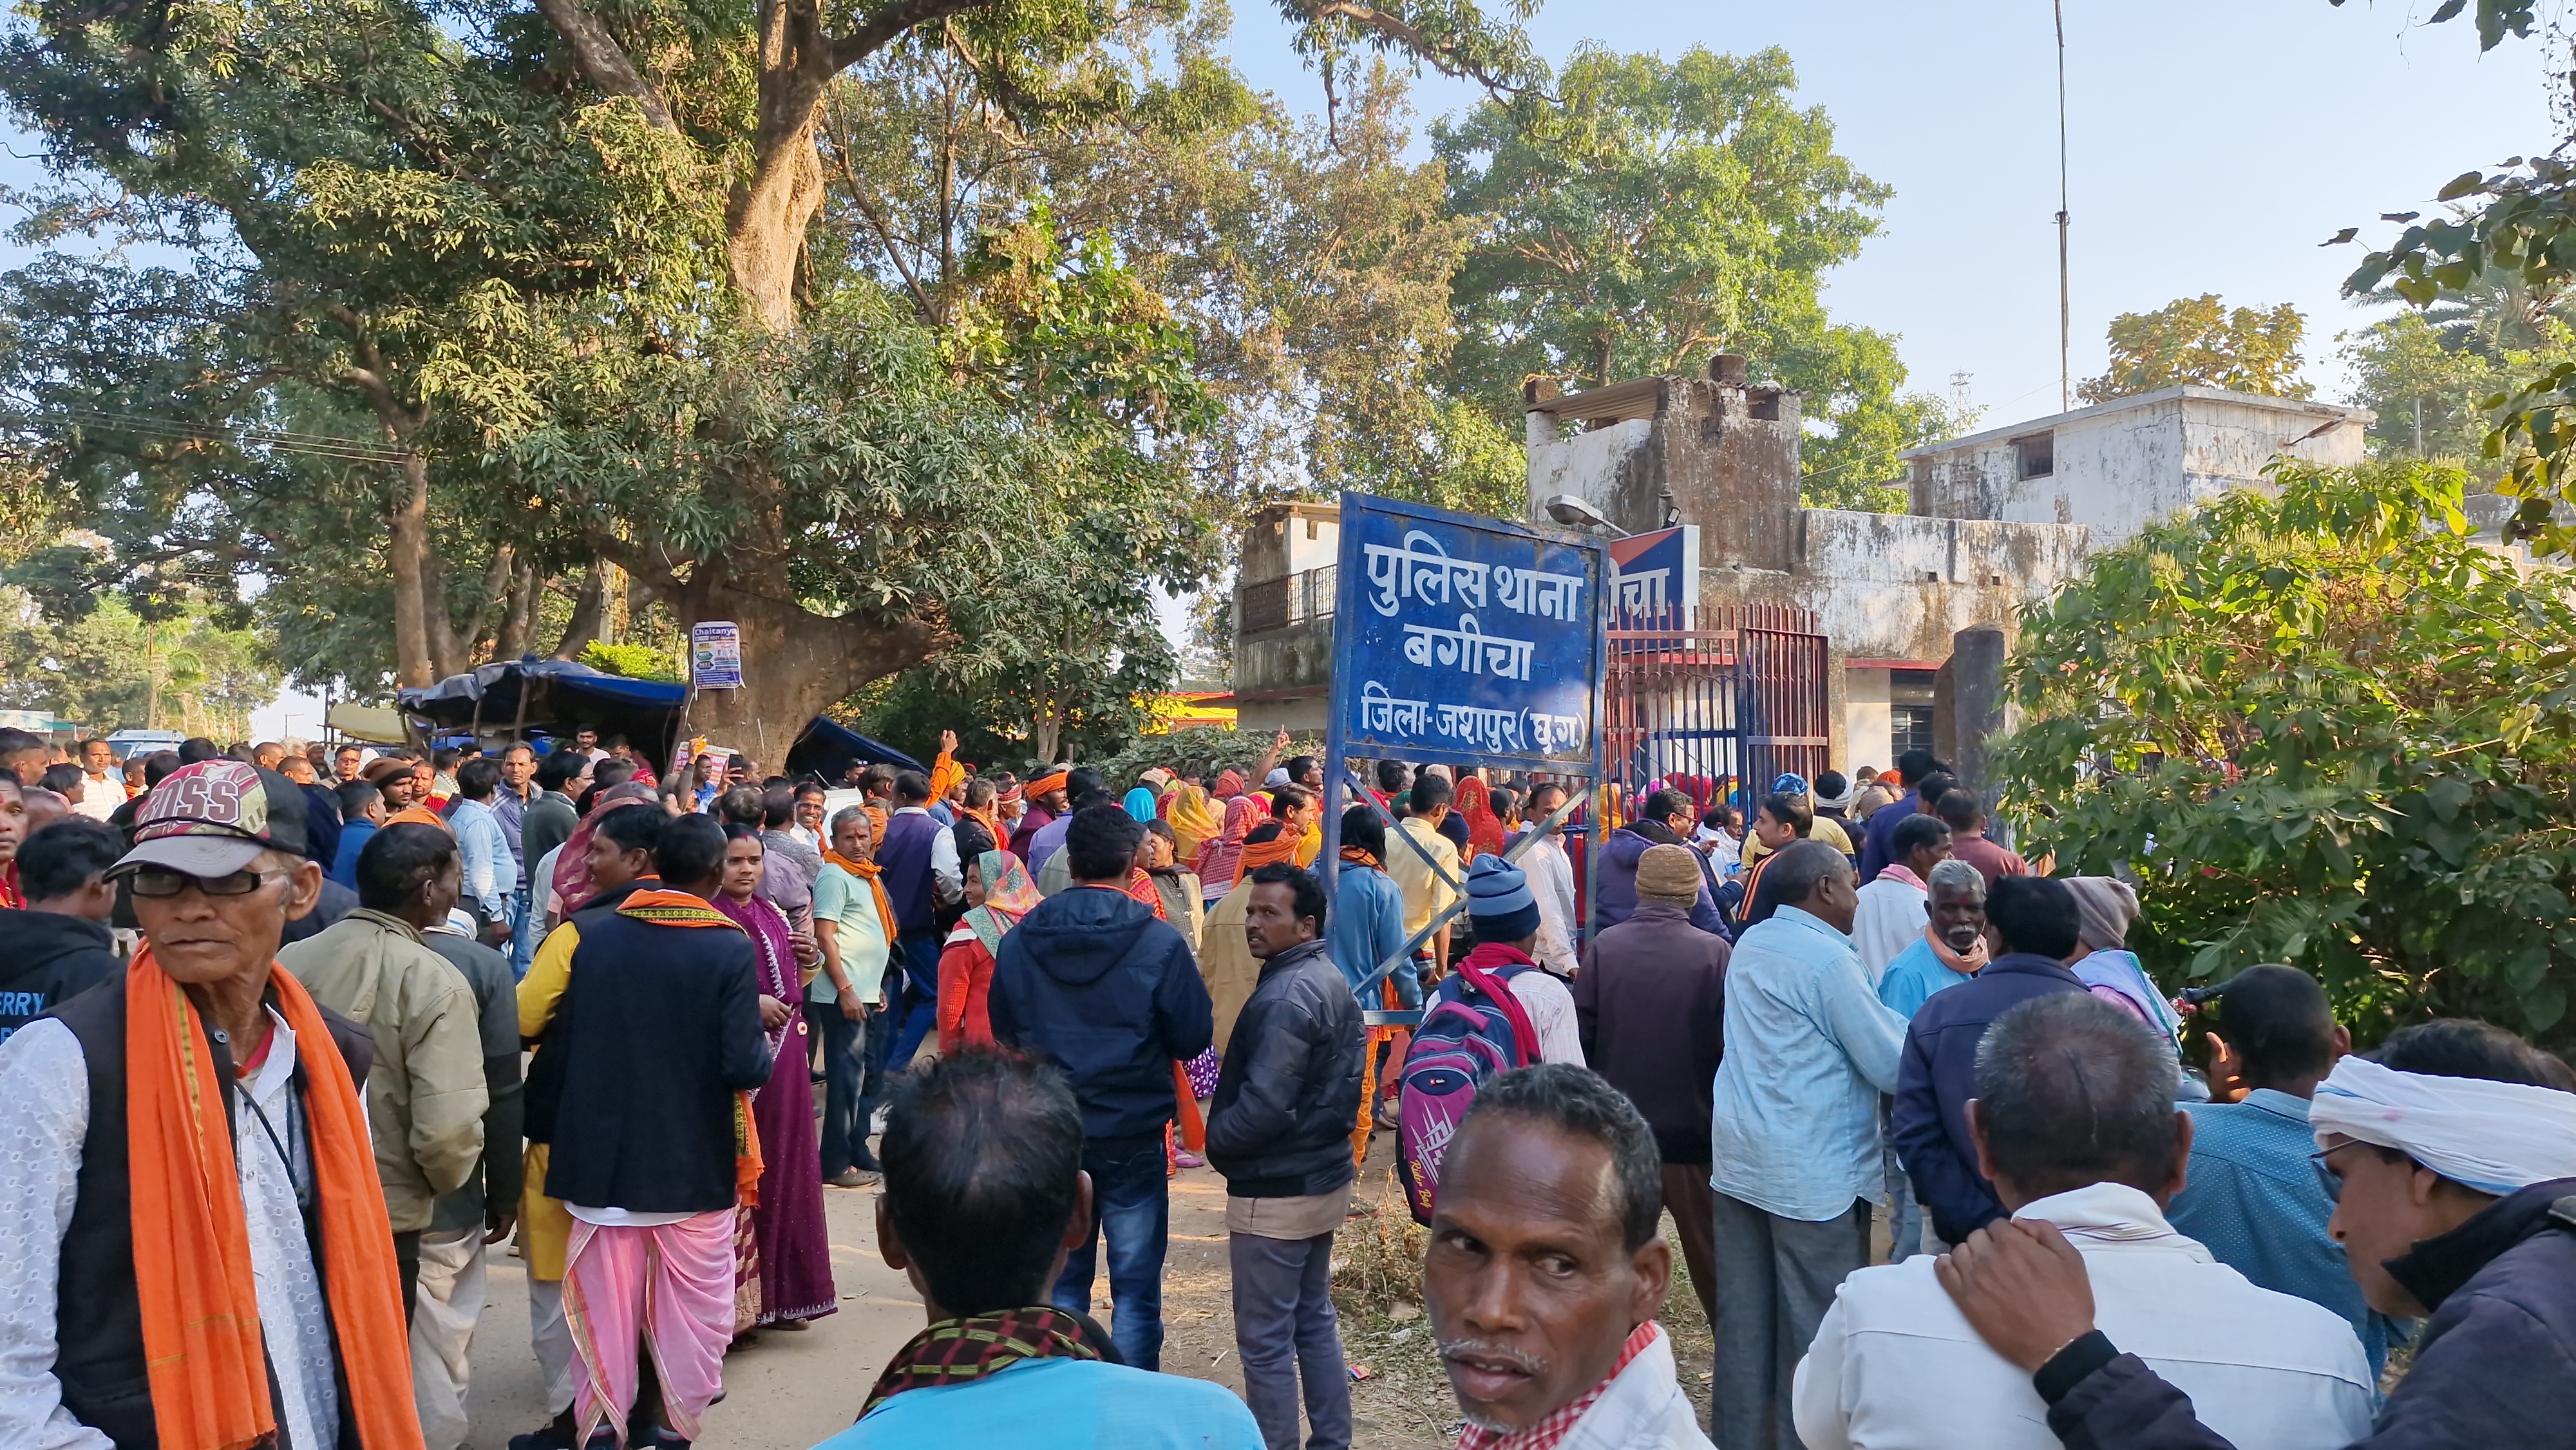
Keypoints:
pixel 1577 513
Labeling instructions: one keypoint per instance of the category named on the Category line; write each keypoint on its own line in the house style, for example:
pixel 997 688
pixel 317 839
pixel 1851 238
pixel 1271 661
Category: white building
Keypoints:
pixel 2120 466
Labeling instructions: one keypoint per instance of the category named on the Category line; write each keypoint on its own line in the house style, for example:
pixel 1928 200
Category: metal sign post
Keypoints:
pixel 1461 640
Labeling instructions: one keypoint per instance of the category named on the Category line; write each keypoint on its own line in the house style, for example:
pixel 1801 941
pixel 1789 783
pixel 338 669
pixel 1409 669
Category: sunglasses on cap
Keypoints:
pixel 161 881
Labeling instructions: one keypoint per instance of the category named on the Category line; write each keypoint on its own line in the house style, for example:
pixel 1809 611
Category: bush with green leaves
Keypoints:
pixel 2328 727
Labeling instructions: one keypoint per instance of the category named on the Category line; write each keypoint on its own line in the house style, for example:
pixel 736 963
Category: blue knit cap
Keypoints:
pixel 1499 902
pixel 1789 785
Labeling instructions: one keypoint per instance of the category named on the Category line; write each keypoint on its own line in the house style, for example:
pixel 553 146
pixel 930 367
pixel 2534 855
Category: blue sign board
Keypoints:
pixel 1465 639
pixel 1654 579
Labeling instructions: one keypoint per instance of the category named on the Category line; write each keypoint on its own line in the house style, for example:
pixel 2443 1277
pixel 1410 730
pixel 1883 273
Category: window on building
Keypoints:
pixel 1913 729
pixel 2037 454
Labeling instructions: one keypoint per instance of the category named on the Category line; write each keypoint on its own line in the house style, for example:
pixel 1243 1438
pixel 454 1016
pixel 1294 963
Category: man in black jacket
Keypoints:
pixel 1279 1129
pixel 2031 927
pixel 661 1026
pixel 1095 983
pixel 2455 1167
pixel 59 947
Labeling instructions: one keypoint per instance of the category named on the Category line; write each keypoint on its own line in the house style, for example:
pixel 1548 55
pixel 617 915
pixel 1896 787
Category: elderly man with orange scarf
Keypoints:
pixel 198 1256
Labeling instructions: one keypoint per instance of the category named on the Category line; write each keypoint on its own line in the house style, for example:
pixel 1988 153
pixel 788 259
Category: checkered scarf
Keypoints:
pixel 1547 1434
pixel 954 1351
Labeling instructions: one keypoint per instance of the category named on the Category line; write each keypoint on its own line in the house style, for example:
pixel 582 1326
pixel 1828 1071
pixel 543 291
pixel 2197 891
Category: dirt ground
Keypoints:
pixel 790 1390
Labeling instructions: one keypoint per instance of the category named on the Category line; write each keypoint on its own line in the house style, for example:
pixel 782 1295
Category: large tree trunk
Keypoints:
pixel 795 664
pixel 589 613
pixel 766 222
pixel 407 548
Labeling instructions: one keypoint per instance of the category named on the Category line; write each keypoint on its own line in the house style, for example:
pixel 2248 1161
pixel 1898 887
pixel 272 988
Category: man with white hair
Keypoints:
pixel 2454 1168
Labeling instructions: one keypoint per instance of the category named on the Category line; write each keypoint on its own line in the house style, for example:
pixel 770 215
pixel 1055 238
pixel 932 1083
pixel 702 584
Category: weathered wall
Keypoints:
pixel 1731 467
pixel 2121 466
pixel 1274 660
pixel 1896 586
pixel 1290 538
pixel 1615 467
pixel 1869 718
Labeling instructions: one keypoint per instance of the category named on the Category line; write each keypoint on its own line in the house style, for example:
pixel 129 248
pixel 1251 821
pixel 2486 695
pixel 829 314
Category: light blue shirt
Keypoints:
pixel 2252 1198
pixel 1064 1404
pixel 1367 927
pixel 1808 1050
pixel 1913 975
pixel 491 872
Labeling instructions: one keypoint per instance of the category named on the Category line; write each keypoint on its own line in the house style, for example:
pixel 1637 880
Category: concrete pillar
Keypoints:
pixel 1978 699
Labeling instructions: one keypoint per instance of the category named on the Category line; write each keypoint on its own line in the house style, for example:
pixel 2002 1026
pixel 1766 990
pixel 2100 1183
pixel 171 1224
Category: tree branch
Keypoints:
pixel 888 26
pixel 603 61
pixel 1449 59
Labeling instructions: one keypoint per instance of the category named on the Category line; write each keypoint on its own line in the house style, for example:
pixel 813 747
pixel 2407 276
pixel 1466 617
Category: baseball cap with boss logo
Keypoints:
pixel 214 818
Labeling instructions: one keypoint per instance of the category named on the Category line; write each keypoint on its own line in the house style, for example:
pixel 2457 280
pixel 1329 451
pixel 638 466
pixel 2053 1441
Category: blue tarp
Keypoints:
pixel 827 750
pixel 562 696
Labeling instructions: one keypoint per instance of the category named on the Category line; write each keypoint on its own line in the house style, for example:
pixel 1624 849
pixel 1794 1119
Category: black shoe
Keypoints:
pixel 556 1435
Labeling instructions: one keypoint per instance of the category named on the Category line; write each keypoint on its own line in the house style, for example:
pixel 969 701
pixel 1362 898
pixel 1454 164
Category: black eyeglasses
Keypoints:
pixel 157 881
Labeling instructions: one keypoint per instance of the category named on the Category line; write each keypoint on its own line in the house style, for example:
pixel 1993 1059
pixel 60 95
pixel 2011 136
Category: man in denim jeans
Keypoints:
pixel 1095 983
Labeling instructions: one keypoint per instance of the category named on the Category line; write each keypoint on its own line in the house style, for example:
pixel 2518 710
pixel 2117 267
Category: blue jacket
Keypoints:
pixel 1095 983
pixel 353 839
pixel 1619 856
pixel 1936 1077
pixel 1878 845
pixel 1367 927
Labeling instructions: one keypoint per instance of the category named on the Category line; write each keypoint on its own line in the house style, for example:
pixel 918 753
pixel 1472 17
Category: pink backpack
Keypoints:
pixel 1464 1040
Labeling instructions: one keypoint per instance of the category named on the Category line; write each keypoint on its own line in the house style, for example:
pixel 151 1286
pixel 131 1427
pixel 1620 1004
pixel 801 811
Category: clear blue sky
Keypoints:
pixel 2213 144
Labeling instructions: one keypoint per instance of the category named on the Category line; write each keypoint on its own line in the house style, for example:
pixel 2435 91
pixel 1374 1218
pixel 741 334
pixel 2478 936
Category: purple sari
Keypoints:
pixel 795 1251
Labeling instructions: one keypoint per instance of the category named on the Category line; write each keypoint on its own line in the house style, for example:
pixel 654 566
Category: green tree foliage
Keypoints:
pixel 1665 211
pixel 2198 340
pixel 2326 728
pixel 192 669
pixel 2444 361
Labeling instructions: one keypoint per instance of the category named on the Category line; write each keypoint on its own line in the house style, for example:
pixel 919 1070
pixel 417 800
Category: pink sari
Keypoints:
pixel 795 1253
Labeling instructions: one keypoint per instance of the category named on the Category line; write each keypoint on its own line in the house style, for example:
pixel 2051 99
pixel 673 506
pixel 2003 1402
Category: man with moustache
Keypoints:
pixel 1546 1271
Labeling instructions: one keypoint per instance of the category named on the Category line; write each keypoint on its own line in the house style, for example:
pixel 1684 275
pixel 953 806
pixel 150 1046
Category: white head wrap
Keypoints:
pixel 2495 1137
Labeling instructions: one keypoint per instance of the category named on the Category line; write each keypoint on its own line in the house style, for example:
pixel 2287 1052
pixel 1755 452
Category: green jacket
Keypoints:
pixel 425 1095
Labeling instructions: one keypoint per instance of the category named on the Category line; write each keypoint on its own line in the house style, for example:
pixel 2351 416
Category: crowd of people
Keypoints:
pixel 290 1040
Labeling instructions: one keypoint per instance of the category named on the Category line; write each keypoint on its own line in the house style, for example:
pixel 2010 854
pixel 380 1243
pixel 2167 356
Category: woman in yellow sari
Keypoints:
pixel 1193 820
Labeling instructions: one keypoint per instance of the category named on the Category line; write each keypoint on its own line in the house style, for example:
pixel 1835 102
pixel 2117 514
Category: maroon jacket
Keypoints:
pixel 1651 1005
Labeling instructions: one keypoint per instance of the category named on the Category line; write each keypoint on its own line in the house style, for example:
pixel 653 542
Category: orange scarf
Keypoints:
pixel 1257 854
pixel 1361 856
pixel 868 871
pixel 192 1271
pixel 990 820
pixel 665 907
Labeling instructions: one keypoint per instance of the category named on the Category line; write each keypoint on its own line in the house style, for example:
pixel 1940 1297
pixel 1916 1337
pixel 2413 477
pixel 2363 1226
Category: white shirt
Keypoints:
pixel 1550 1006
pixel 100 795
pixel 1642 1408
pixel 1889 920
pixel 1894 1366
pixel 1551 880
pixel 44 1113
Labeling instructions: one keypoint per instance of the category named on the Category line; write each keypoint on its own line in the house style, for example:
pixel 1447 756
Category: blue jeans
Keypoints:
pixel 853 1079
pixel 1284 1327
pixel 919 996
pixel 1131 1203
pixel 523 938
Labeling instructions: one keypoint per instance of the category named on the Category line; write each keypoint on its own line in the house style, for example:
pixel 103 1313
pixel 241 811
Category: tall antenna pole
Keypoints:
pixel 2065 315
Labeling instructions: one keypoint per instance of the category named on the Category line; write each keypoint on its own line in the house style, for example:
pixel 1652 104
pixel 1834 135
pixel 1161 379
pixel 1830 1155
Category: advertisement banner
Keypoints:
pixel 715 655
